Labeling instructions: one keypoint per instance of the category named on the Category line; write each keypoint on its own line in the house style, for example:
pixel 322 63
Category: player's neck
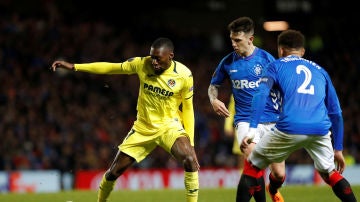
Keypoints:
pixel 292 51
pixel 251 50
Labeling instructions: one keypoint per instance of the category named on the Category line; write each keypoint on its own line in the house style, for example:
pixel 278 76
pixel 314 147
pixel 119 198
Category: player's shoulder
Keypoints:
pixel 140 64
pixel 314 64
pixel 226 61
pixel 264 54
pixel 181 69
pixel 143 59
pixel 137 60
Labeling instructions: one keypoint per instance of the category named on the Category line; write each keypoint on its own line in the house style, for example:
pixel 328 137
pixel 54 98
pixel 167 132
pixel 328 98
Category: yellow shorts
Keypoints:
pixel 138 145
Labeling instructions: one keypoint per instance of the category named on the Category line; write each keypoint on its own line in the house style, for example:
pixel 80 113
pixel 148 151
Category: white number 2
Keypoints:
pixel 305 88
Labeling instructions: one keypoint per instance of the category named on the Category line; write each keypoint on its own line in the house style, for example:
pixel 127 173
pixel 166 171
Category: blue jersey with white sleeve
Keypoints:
pixel 244 74
pixel 310 105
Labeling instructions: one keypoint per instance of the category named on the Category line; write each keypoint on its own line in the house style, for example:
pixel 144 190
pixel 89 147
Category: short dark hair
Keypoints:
pixel 163 42
pixel 291 39
pixel 242 24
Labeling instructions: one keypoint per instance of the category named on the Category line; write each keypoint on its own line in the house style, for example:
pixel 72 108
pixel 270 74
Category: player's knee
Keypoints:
pixel 110 176
pixel 189 163
pixel 278 175
pixel 114 172
pixel 278 171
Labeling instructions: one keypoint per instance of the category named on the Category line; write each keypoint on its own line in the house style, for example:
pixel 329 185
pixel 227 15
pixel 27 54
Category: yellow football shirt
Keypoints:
pixel 159 97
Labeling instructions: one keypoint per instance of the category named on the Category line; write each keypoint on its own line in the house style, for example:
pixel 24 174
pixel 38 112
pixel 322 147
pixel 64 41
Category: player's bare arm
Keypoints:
pixel 218 106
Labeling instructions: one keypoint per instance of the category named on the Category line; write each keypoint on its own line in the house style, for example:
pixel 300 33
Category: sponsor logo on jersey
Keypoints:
pixel 158 90
pixel 244 83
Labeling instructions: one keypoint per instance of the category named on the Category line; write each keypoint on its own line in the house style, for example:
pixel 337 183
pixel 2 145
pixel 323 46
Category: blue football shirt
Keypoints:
pixel 244 74
pixel 308 96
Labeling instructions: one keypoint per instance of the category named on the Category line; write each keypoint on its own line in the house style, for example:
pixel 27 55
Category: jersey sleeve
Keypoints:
pixel 331 100
pixel 219 75
pixel 334 111
pixel 188 116
pixel 127 67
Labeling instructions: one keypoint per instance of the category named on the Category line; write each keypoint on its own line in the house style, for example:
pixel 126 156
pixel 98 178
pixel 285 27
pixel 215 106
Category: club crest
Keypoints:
pixel 257 69
pixel 171 83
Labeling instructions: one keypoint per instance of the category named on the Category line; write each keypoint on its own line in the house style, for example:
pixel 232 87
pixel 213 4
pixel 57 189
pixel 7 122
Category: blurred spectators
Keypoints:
pixel 60 120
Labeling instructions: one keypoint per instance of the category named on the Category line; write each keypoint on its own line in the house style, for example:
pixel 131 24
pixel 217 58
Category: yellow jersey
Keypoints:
pixel 160 96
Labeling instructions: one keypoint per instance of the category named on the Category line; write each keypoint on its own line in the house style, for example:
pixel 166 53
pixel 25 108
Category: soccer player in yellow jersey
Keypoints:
pixel 166 86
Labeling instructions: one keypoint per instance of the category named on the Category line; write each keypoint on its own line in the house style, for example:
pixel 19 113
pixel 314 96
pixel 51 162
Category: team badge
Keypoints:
pixel 257 69
pixel 171 83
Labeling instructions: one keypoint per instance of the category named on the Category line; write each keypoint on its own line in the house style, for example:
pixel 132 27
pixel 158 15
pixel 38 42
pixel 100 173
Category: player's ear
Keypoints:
pixel 171 56
pixel 251 39
pixel 302 51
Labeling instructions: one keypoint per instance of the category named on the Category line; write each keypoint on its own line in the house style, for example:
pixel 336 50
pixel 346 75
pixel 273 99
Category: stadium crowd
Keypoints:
pixel 66 121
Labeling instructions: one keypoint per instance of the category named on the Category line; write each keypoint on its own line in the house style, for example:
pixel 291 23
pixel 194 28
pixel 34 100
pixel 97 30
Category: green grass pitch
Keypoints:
pixel 291 193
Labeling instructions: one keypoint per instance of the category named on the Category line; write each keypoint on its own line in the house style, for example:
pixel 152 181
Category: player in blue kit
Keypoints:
pixel 244 67
pixel 310 107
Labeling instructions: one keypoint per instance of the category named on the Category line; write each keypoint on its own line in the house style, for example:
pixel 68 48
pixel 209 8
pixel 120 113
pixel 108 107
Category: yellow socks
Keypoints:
pixel 105 189
pixel 191 180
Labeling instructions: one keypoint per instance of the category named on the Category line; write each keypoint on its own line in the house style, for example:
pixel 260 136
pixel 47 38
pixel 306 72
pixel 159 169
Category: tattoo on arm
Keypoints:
pixel 213 92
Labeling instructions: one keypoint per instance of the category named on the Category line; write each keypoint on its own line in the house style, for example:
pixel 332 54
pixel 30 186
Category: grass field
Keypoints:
pixel 290 193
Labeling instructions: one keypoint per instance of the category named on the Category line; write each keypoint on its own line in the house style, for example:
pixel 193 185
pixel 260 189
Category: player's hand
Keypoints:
pixel 220 108
pixel 339 161
pixel 248 139
pixel 62 64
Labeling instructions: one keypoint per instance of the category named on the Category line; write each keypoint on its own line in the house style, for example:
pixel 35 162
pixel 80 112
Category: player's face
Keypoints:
pixel 241 43
pixel 161 59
